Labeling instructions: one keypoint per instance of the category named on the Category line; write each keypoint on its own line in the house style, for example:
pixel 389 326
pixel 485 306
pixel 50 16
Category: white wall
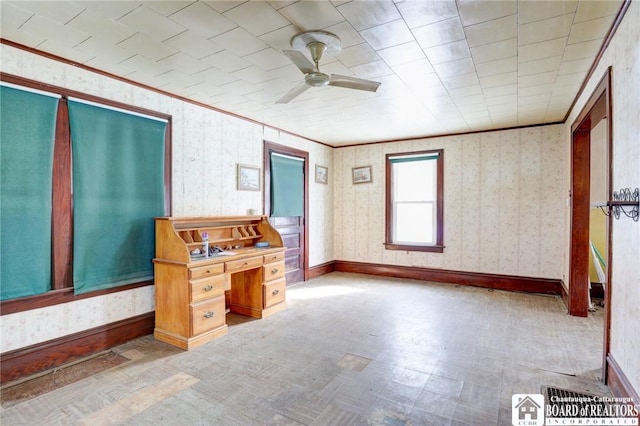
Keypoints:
pixel 623 54
pixel 206 147
pixel 503 208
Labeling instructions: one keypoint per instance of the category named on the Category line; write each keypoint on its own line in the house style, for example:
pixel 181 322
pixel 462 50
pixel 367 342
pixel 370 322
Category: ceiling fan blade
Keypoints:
pixel 353 83
pixel 301 61
pixel 293 93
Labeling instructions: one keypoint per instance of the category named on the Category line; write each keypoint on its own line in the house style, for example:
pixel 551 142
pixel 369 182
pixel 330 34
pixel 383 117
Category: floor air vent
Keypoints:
pixel 556 397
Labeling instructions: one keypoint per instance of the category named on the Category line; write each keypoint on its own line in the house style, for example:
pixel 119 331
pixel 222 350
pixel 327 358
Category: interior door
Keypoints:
pixel 293 229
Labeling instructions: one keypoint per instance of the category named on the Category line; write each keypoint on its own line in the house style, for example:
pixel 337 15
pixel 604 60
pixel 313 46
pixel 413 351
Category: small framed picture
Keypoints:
pixel 362 174
pixel 322 174
pixel 248 178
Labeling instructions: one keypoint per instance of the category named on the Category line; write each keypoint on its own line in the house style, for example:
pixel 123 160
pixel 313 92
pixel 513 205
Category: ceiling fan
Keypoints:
pixel 319 43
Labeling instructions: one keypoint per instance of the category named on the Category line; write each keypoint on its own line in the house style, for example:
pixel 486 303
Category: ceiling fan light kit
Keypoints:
pixel 319 43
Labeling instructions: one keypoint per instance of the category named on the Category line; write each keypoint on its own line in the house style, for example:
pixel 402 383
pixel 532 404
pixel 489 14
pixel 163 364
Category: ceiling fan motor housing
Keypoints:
pixel 316 79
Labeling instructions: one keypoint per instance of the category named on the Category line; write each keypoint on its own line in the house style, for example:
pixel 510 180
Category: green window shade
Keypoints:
pixel 412 158
pixel 27 133
pixel 287 190
pixel 118 188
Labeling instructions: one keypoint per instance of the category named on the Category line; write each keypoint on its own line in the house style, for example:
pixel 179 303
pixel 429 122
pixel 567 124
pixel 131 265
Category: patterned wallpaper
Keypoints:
pixel 207 145
pixel 623 54
pixel 504 203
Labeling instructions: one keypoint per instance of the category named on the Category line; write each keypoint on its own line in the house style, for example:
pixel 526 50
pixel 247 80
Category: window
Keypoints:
pixel 44 152
pixel 414 201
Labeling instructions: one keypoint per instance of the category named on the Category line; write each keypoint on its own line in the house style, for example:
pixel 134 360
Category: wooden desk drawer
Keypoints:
pixel 273 271
pixel 273 257
pixel 274 292
pixel 207 315
pixel 207 288
pixel 243 264
pixel 206 271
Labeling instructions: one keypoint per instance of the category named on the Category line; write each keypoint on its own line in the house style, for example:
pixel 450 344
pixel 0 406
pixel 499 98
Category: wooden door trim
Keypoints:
pixel 597 108
pixel 270 147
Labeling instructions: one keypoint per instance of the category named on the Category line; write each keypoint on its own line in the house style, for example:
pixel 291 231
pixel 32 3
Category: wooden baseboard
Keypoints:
pixel 476 279
pixel 324 268
pixel 619 383
pixel 43 356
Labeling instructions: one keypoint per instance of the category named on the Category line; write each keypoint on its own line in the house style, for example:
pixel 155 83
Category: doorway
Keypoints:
pixel 292 228
pixel 597 109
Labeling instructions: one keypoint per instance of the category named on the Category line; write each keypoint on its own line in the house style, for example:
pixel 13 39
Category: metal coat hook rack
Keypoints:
pixel 625 201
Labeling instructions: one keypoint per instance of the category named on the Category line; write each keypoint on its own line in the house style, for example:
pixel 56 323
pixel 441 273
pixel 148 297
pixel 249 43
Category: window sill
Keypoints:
pixel 406 247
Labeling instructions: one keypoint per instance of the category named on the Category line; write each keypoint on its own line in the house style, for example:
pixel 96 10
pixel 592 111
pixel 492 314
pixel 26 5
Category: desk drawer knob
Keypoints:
pixel 208 314
pixel 275 292
pixel 208 288
pixel 274 271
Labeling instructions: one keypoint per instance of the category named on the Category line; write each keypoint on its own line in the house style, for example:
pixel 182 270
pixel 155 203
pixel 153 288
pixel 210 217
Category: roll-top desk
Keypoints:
pixel 194 292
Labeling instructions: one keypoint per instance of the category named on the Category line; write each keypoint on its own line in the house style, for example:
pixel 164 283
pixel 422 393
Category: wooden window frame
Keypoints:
pixel 62 203
pixel 438 247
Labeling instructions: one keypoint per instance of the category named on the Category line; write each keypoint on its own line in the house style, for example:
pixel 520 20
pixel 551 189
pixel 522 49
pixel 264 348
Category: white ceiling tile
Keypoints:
pixel 151 23
pixel 495 51
pixel 46 28
pixel 147 47
pixel 461 66
pixel 414 70
pixel 193 44
pixel 462 80
pixel 476 11
pixel 500 66
pixel 537 79
pixel 419 13
pixel 547 29
pixel 105 29
pixel 535 90
pixel 577 65
pixel 13 16
pixel 222 6
pixel 357 55
pixel 109 9
pixel 268 59
pixel 402 53
pixel 103 50
pixel 590 30
pixel 372 70
pixel 201 18
pixel 589 10
pixel 530 11
pixel 464 92
pixel 240 42
pixel 490 32
pixel 52 46
pixel 534 102
pixel 166 7
pixel 57 11
pixel 227 61
pixel 311 15
pixel 499 80
pixel 184 63
pixel 502 100
pixel 253 75
pixel 256 17
pixel 387 35
pixel 565 90
pixel 448 52
pixel 441 32
pixel 347 34
pixel 587 49
pixel 280 39
pixel 541 50
pixel 145 65
pixel 215 77
pixel 367 14
pixel 569 79
pixel 507 89
pixel 539 66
